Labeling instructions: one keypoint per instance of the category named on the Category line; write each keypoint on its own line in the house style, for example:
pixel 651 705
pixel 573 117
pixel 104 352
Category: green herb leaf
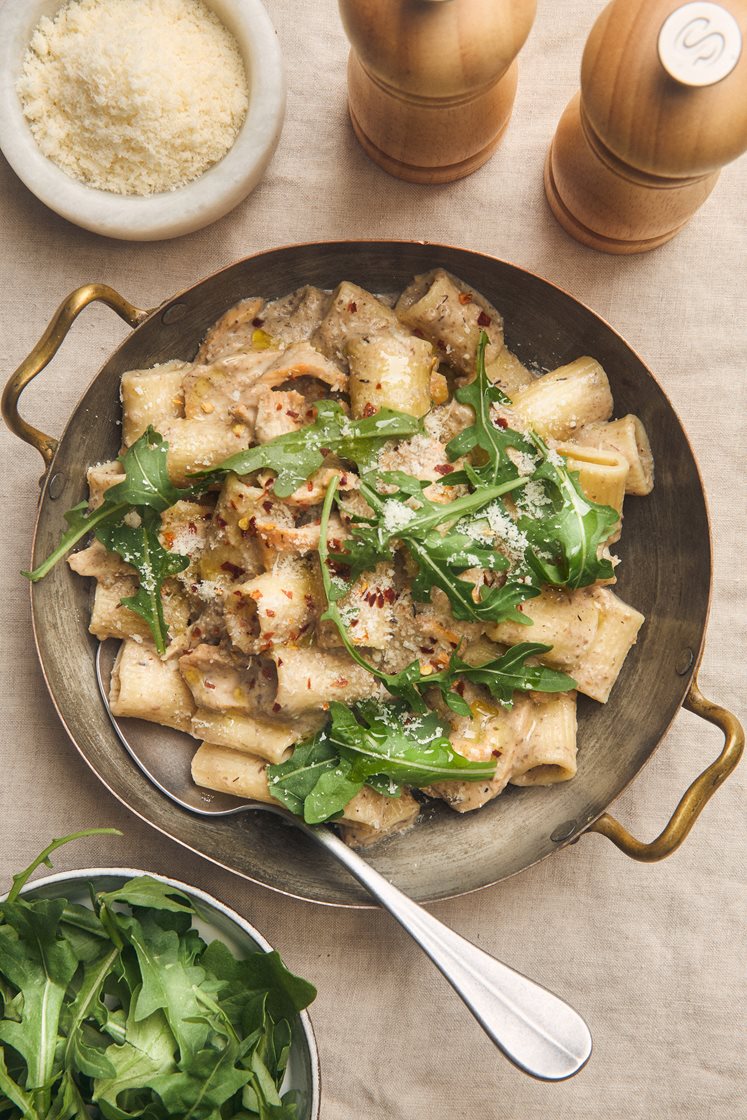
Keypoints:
pixel 386 743
pixel 564 542
pixel 139 546
pixel 294 457
pixel 492 441
pixel 146 482
pixel 146 485
pixel 412 748
pixel 20 879
pixel 509 673
pixel 261 972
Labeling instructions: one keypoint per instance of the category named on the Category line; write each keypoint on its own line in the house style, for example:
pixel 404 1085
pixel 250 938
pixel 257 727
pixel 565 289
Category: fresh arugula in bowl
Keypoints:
pixel 121 1010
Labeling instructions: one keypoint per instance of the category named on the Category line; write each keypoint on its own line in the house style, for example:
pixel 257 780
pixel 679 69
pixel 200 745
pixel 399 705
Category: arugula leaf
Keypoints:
pixel 168 983
pixel 388 739
pixel 145 485
pixel 292 781
pixel 440 556
pixel 564 541
pixel 371 741
pixel 492 440
pixel 508 673
pixel 22 877
pixel 40 966
pixel 145 891
pixel 146 482
pixel 13 1091
pixel 209 1081
pixel 261 972
pixel 294 457
pixel 139 546
pixel 147 1051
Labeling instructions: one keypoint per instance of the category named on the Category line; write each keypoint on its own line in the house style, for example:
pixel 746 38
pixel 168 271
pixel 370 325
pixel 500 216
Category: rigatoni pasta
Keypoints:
pixel 384 563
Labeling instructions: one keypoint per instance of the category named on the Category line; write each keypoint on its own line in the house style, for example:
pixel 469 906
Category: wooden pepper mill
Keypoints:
pixel 662 107
pixel 431 83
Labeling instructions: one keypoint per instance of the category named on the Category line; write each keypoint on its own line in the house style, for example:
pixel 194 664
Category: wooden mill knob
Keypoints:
pixel 431 83
pixel 662 107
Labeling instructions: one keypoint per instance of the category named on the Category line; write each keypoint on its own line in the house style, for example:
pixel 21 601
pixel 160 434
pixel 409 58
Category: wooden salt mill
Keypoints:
pixel 431 83
pixel 662 107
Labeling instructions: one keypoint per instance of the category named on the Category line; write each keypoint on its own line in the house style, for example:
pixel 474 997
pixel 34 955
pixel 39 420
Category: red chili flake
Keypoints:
pixel 502 422
pixel 343 480
pixel 237 593
pixel 310 486
pixel 196 632
pixel 368 409
pixel 520 606
pixel 483 320
pixel 269 613
pixel 276 707
pixel 353 622
pixel 209 684
pixel 352 307
pixel 278 408
pixel 459 687
pixel 426 649
pixel 496 754
pixel 453 644
pixel 293 415
pixel 232 569
pixel 288 594
pixel 193 588
pixel 169 539
pixel 308 682
pixel 378 384
pixel 258 322
pixel 279 662
pixel 220 522
pixel 341 682
pixel 465 298
pixel 443 468
pixel 191 527
pixel 390 594
pixel 268 635
pixel 267 507
pixel 380 599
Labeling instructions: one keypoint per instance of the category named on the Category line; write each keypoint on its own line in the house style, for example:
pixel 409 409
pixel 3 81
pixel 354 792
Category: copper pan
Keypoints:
pixel 666 573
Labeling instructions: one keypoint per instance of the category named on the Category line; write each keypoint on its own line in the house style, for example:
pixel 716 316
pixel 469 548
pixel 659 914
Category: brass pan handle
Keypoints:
pixel 45 350
pixel 695 798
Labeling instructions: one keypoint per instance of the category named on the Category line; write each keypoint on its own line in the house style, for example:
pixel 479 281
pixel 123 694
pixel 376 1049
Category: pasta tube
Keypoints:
pixel 145 687
pixel 559 403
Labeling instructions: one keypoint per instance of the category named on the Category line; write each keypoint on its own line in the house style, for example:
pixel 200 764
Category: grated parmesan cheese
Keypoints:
pixel 134 96
pixel 395 515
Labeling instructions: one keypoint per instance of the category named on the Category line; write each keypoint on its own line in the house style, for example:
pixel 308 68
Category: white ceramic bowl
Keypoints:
pixel 217 921
pixel 170 213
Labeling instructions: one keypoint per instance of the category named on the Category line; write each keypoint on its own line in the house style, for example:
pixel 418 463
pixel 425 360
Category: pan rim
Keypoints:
pixel 369 243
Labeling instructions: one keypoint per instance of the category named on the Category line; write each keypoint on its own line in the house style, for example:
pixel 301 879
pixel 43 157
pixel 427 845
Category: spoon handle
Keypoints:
pixel 536 1030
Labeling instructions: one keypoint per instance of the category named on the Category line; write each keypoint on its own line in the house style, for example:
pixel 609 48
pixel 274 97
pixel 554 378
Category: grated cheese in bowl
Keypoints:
pixel 134 97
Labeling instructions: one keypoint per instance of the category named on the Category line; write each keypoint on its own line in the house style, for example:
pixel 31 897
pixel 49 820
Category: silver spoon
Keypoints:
pixel 536 1030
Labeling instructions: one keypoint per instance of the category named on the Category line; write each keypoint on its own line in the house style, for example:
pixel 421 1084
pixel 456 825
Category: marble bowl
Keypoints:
pixel 169 213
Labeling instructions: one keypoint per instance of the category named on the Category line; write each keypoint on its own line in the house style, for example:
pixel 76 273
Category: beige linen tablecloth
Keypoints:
pixel 653 956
